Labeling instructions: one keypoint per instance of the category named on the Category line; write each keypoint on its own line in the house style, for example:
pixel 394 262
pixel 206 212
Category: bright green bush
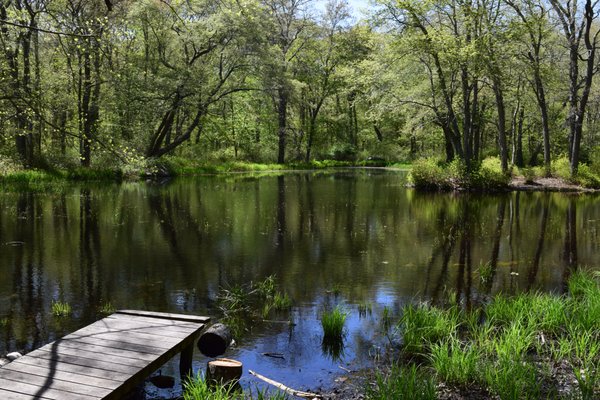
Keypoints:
pixel 489 175
pixel 428 174
pixel 561 168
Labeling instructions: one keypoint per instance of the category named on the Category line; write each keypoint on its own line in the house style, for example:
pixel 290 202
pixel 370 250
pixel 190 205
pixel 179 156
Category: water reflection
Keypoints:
pixel 171 247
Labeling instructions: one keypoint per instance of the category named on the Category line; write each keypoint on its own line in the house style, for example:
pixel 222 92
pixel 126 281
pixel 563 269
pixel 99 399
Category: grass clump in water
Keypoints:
pixel 246 305
pixel 333 323
pixel 364 309
pixel 61 309
pixel 106 308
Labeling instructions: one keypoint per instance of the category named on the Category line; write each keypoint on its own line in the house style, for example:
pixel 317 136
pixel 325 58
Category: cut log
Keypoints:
pixel 215 340
pixel 223 371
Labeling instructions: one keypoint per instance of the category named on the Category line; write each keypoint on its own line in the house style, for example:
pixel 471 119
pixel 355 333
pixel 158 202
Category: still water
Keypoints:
pixel 346 237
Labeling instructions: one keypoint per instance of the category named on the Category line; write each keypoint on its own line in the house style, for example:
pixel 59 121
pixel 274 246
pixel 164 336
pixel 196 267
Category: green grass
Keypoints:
pixel 333 322
pixel 454 362
pixel 510 346
pixel 106 308
pixel 61 309
pixel 197 389
pixel 403 382
pixel 281 301
pixel 422 325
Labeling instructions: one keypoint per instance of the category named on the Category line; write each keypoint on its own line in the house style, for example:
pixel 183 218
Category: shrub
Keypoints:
pixel 561 168
pixel 587 178
pixel 489 175
pixel 429 174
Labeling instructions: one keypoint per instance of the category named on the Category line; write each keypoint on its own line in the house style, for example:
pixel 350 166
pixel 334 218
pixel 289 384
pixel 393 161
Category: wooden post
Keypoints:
pixel 185 361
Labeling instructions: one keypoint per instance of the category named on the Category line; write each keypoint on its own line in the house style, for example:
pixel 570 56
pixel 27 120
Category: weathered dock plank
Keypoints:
pixel 103 360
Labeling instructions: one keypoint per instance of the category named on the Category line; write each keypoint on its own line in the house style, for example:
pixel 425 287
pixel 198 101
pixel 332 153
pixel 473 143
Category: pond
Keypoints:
pixel 356 238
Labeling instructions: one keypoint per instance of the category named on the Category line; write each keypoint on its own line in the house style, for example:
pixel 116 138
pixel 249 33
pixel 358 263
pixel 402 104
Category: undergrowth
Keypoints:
pixel 507 348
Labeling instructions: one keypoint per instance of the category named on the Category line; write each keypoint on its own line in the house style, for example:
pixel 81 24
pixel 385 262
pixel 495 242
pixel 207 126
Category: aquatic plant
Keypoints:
pixel 266 288
pixel 281 301
pixel 106 308
pixel 336 289
pixel 333 323
pixel 486 273
pixel 364 308
pixel 244 305
pixel 403 382
pixel 386 318
pixel 61 309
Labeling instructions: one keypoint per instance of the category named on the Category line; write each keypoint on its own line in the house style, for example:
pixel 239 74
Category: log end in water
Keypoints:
pixel 215 340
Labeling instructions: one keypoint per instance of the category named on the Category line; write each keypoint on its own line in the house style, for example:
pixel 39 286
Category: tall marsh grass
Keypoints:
pixel 333 322
pixel 509 346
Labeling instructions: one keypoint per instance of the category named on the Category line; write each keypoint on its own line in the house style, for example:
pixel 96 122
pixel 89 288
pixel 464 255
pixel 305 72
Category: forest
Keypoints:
pixel 126 83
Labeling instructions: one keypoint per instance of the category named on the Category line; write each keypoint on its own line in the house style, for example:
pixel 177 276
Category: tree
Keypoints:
pixel 533 17
pixel 288 23
pixel 318 63
pixel 577 27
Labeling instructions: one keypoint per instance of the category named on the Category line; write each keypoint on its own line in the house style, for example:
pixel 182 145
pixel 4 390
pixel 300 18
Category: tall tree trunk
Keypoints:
pixel 498 93
pixel 282 122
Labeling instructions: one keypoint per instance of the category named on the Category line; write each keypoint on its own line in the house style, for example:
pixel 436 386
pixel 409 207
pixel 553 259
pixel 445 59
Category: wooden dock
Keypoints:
pixel 104 360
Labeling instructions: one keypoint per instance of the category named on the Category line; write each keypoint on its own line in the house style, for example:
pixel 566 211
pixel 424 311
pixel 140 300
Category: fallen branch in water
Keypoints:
pixel 345 369
pixel 286 389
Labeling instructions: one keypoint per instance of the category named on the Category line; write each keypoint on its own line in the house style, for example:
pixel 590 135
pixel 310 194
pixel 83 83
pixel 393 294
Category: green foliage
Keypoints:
pixel 489 176
pixel 61 309
pixel 196 388
pixel 430 174
pixel 422 326
pixel 243 306
pixel 587 178
pixel 529 174
pixel 561 168
pixel 454 362
pixel 106 308
pixel 333 322
pixel 403 382
pixel 512 349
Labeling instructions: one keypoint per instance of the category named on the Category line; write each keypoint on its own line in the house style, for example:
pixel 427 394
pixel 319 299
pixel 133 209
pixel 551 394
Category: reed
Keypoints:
pixel 106 308
pixel 61 309
pixel 333 323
